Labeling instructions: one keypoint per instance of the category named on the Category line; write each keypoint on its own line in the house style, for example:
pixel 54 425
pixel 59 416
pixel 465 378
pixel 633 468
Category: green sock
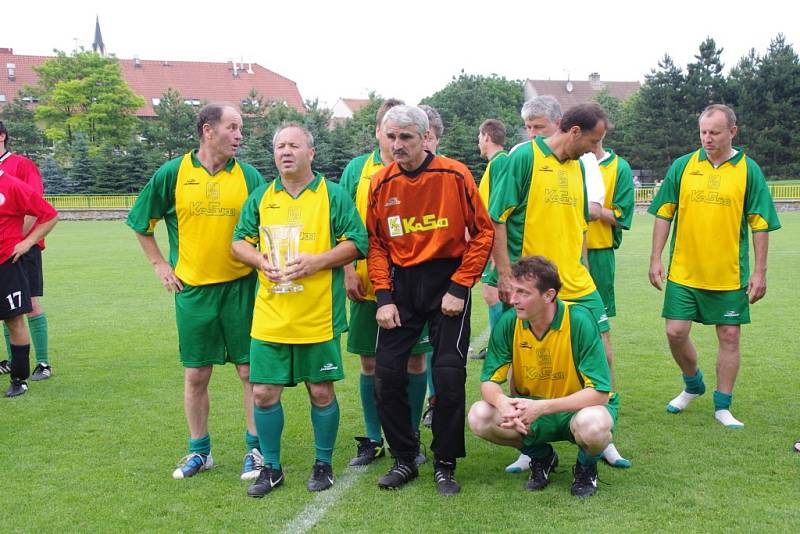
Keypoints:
pixel 8 340
pixel 269 425
pixel 38 328
pixel 722 401
pixel 416 397
pixel 372 424
pixel 200 445
pixel 494 313
pixel 251 441
pixel 694 384
pixel 537 451
pixel 429 367
pixel 326 424
pixel 584 458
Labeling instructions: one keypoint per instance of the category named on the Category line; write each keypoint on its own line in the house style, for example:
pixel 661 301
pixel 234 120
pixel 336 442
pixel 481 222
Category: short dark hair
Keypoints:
pixel 3 130
pixel 388 104
pixel 210 114
pixel 495 129
pixel 584 116
pixel 538 269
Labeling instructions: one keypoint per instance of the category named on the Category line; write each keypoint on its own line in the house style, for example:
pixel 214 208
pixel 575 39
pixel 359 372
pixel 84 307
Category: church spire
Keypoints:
pixel 98 46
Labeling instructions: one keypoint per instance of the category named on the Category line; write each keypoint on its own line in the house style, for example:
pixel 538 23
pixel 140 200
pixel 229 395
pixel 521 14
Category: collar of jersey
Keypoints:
pixel 376 156
pixel 558 318
pixel 501 152
pixel 733 161
pixel 608 159
pixel 196 162
pixel 313 184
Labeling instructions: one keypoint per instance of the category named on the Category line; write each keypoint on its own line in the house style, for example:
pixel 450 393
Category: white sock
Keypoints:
pixel 612 456
pixel 522 463
pixel 726 418
pixel 679 403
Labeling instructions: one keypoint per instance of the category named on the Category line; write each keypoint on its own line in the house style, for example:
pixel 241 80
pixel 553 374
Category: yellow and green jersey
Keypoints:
pixel 618 183
pixel 355 181
pixel 542 202
pixel 568 358
pixel 493 168
pixel 200 210
pixel 711 209
pixel 328 216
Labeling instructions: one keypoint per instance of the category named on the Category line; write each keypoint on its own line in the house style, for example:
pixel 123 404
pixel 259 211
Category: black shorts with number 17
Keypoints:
pixel 15 295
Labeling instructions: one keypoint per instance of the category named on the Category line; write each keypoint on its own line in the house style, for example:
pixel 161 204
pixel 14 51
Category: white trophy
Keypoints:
pixel 283 245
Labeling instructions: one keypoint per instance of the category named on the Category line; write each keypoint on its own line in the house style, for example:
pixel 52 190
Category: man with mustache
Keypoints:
pixel 423 267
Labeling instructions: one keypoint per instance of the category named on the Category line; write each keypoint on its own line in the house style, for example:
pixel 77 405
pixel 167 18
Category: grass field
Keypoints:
pixel 92 449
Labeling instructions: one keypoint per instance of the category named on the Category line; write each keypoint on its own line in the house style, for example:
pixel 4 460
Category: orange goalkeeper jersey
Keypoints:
pixel 416 217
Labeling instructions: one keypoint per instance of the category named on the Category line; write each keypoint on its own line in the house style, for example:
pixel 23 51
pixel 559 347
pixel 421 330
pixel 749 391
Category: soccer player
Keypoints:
pixel 295 336
pixel 603 237
pixel 712 194
pixel 422 268
pixel 18 202
pixel 491 138
pixel 24 169
pixel 544 186
pixel 199 196
pixel 561 379
pixel 363 328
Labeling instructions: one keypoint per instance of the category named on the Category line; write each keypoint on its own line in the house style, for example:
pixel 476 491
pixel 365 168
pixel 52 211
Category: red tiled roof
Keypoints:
pixel 582 90
pixel 355 103
pixel 193 79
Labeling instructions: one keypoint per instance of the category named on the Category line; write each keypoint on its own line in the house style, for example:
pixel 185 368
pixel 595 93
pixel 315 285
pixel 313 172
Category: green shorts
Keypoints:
pixel 290 364
pixel 602 266
pixel 214 322
pixel 594 304
pixel 363 331
pixel 705 306
pixel 555 427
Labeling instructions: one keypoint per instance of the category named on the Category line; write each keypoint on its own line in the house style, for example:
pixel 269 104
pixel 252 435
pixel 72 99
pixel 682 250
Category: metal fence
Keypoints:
pixel 643 195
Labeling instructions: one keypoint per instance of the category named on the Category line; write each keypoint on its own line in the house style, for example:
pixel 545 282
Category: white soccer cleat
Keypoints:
pixel 523 463
pixel 726 418
pixel 191 464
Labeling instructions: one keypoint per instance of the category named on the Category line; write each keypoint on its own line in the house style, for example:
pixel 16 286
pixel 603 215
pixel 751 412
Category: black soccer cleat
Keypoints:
pixel 368 451
pixel 18 387
pixel 540 472
pixel 321 477
pixel 42 371
pixel 585 482
pixel 268 479
pixel 400 474
pixel 444 476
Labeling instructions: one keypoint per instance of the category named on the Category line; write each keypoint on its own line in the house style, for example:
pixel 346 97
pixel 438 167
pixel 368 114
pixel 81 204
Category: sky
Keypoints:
pixel 412 49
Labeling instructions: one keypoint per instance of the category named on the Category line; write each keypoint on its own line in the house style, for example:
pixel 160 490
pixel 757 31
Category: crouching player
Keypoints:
pixel 561 378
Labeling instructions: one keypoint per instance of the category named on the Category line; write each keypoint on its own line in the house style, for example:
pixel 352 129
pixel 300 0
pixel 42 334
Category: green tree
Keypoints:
pixel 84 92
pixel 82 173
pixel 25 137
pixel 705 83
pixel 53 177
pixel 136 166
pixel 256 143
pixel 172 131
pixel 109 178
pixel 466 102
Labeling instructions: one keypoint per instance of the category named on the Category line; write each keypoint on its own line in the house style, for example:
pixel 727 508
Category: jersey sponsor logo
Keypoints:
pixel 272 206
pixel 730 314
pixel 308 236
pixel 328 367
pixel 191 181
pixel 213 209
pixel 429 222
pixel 394 201
pixel 395 226
pixel 559 196
pixel 542 373
pixel 709 197
pixel 695 173
pixel 525 345
pixel 545 168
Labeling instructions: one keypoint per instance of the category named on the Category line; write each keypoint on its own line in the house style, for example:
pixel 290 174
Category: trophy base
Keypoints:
pixel 286 287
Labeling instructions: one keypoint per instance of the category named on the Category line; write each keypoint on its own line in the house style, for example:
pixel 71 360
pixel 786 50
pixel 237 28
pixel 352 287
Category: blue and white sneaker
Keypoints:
pixel 252 465
pixel 191 464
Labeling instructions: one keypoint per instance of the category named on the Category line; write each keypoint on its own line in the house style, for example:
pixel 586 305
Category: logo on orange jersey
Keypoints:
pixel 399 226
